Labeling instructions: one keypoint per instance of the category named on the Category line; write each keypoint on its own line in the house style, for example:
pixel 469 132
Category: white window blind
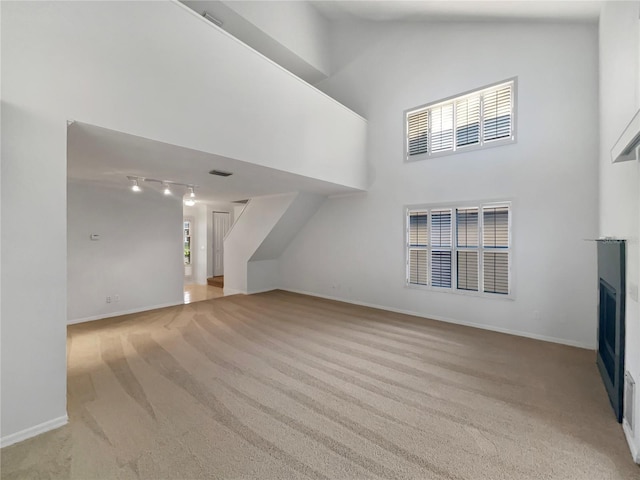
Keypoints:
pixel 418 130
pixel 467 243
pixel 495 255
pixel 495 227
pixel 418 247
pixel 441 248
pixel 497 113
pixel 470 120
pixel 464 248
pixel 442 128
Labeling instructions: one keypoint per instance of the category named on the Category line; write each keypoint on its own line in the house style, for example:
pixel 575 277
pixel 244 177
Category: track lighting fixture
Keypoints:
pixel 167 186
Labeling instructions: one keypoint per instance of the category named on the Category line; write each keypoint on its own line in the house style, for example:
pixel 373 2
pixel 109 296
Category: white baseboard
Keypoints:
pixel 262 290
pixel 122 312
pixel 492 328
pixel 33 431
pixel 635 451
pixel 233 291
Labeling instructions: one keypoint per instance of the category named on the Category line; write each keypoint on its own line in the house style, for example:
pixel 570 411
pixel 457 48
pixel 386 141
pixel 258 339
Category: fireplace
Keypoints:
pixel 611 331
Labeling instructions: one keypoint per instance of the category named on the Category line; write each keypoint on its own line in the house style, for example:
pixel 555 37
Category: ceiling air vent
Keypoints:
pixel 220 173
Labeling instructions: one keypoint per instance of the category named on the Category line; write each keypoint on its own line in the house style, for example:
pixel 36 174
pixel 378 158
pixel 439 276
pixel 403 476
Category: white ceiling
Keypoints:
pixel 457 10
pixel 105 157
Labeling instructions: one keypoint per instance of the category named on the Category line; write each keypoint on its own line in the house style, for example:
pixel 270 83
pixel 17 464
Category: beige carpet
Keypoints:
pixel 284 386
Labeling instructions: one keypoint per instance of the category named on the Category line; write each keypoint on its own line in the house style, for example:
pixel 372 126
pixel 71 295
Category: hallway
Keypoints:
pixel 198 293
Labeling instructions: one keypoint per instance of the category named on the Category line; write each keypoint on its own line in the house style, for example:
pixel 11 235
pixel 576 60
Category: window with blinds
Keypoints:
pixel 465 248
pixel 475 119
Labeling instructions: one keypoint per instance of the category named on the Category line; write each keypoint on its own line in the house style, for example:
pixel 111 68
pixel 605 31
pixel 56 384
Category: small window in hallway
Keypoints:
pixel 187 242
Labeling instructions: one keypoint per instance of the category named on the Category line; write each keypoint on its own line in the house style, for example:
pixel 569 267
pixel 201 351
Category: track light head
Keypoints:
pixel 166 189
pixel 191 200
pixel 136 184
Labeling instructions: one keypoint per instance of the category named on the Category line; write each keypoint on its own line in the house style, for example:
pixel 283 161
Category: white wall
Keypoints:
pixel 138 259
pixel 262 275
pixel 353 248
pixel 620 183
pixel 153 69
pixel 301 209
pixel 237 211
pixel 255 243
pixel 297 25
pixel 258 219
pixel 292 34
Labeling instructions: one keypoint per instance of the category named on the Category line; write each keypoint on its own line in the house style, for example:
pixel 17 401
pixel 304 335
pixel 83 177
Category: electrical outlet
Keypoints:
pixel 116 298
pixel 108 299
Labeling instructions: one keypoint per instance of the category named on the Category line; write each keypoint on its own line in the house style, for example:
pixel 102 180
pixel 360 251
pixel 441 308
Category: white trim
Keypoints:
pixel 262 290
pixel 33 431
pixel 122 312
pixel 517 333
pixel 635 451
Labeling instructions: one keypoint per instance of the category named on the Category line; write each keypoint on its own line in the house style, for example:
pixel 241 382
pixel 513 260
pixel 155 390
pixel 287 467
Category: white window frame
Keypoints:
pixel 454 247
pixel 452 100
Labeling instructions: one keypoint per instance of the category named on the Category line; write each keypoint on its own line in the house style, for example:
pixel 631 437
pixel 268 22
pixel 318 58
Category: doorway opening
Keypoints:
pixel 194 228
pixel 221 222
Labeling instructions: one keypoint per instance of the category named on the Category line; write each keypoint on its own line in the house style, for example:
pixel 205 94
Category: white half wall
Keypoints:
pixel 137 261
pixel 353 248
pixel 620 182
